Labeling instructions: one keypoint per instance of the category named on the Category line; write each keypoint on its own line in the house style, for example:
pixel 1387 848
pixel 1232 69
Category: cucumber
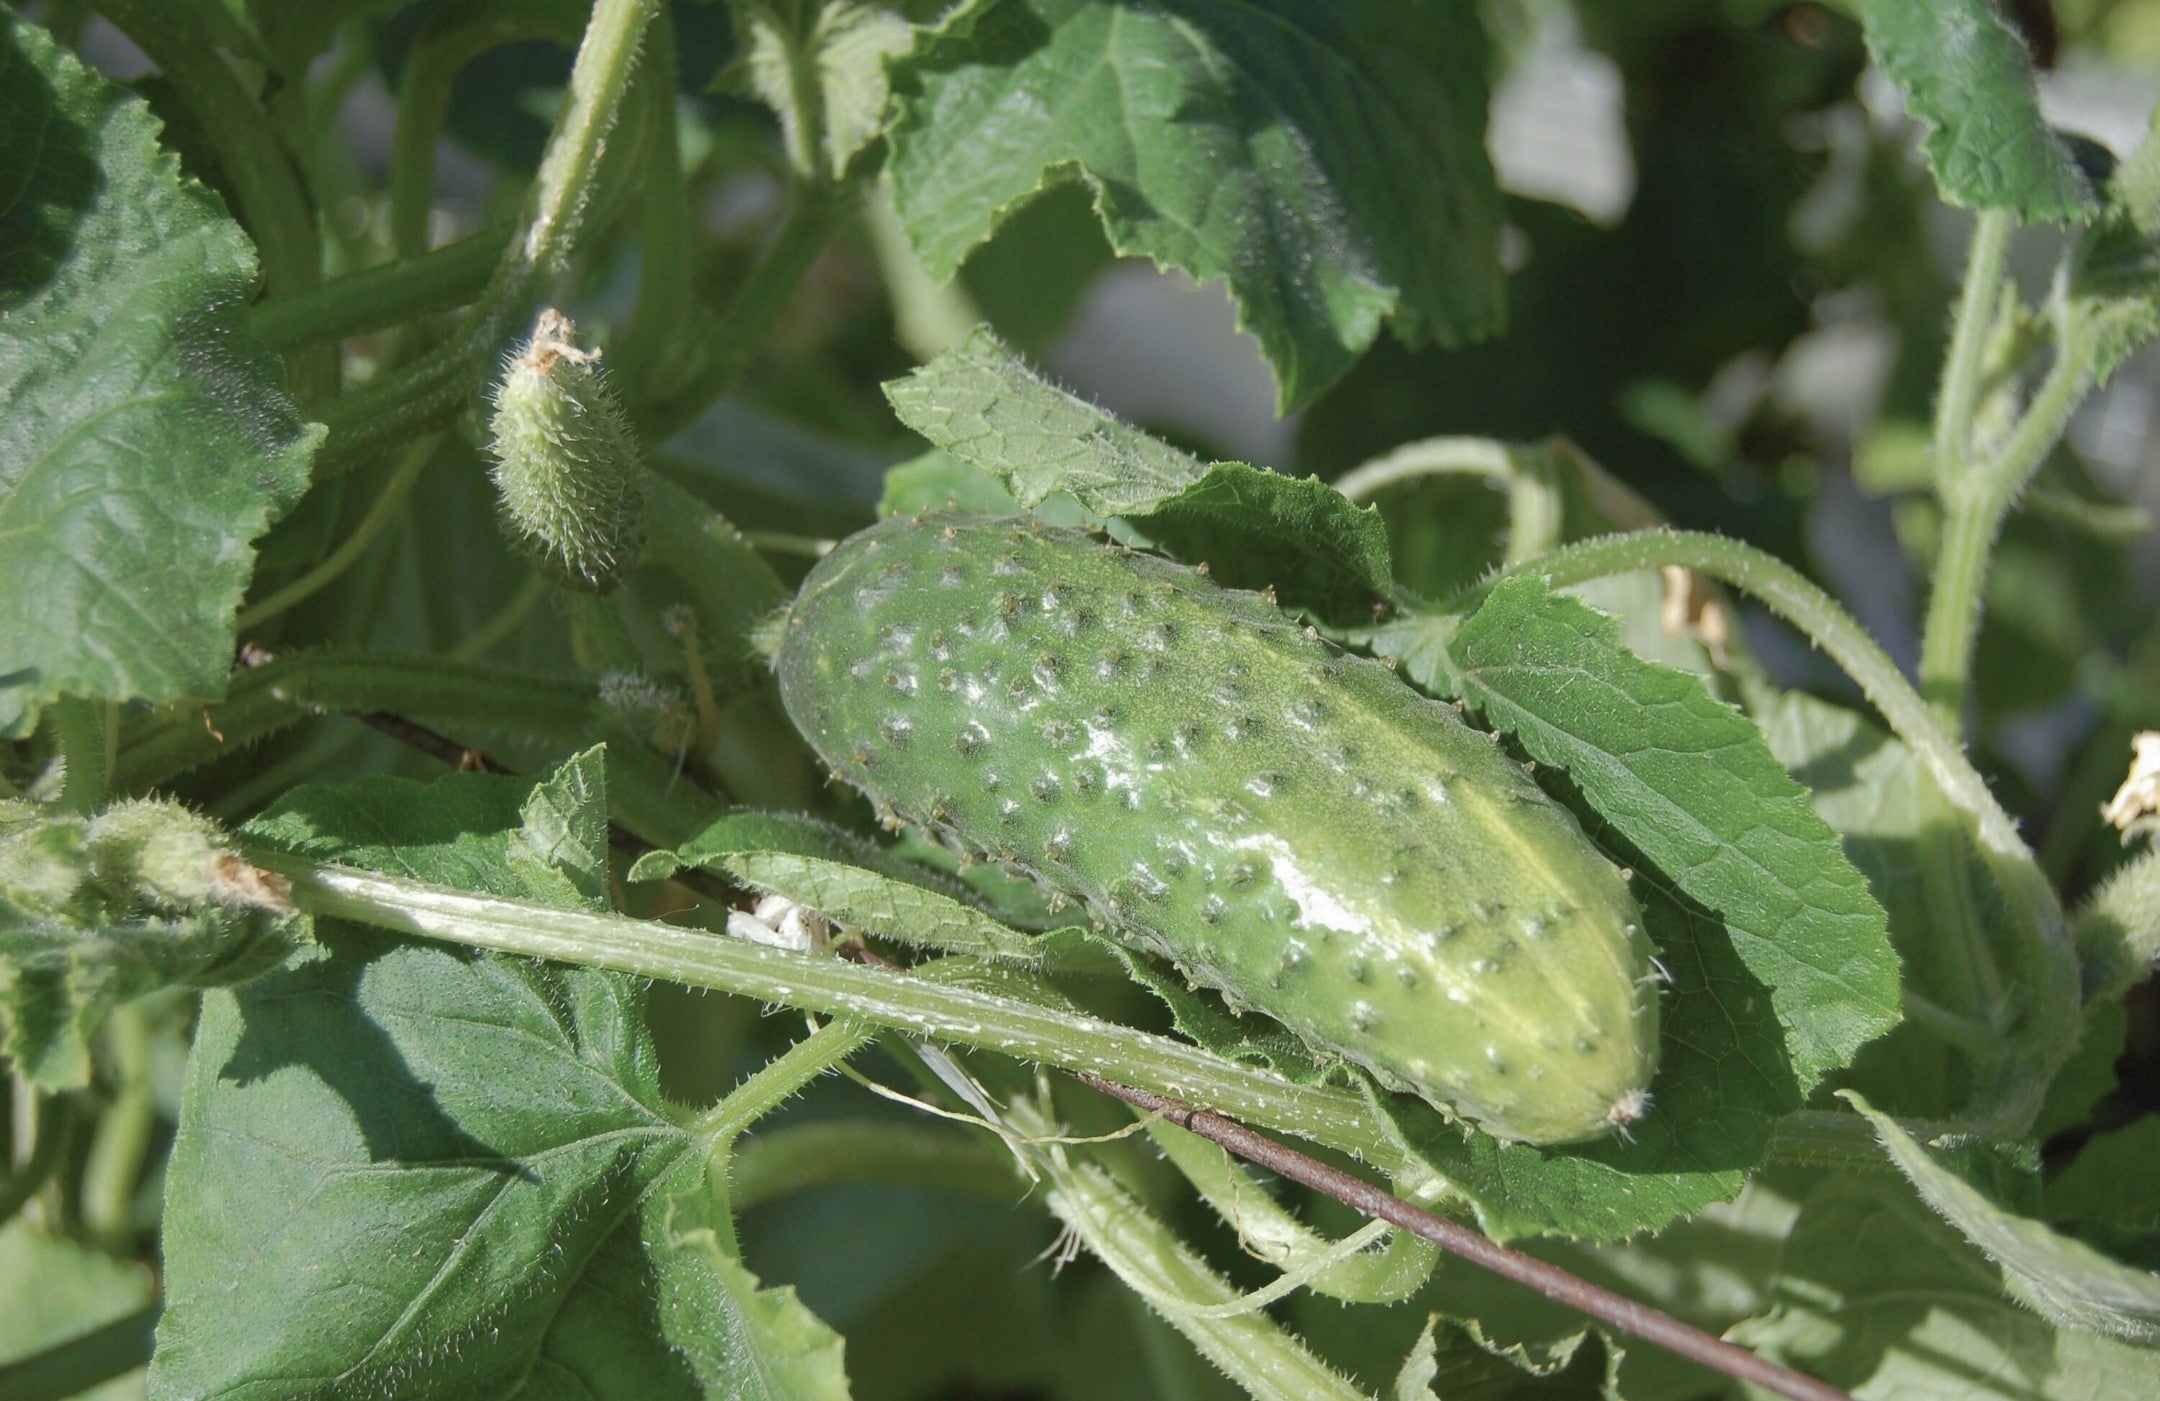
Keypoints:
pixel 1288 824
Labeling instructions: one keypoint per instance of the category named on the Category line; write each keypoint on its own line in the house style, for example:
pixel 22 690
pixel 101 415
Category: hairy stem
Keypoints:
pixel 1614 1310
pixel 379 513
pixel 78 729
pixel 377 298
pixel 1143 1252
pixel 1960 392
pixel 430 392
pixel 1433 457
pixel 801 1157
pixel 932 1000
pixel 758 303
pixel 113 1169
pixel 1975 504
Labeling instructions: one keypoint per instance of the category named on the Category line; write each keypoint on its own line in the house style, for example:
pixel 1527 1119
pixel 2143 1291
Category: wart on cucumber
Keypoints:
pixel 1288 824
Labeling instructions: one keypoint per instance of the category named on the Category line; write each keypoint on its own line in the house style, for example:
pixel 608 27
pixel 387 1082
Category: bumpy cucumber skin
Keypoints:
pixel 1289 824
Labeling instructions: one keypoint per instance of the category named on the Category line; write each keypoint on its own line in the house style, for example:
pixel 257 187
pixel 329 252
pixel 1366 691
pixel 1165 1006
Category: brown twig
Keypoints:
pixel 1615 1310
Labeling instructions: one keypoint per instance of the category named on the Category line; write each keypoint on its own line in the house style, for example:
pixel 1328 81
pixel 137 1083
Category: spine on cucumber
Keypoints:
pixel 1289 824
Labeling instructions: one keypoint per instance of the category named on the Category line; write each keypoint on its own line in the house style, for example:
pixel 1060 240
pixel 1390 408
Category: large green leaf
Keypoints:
pixel 1254 528
pixel 2064 1280
pixel 414 1170
pixel 1780 964
pixel 1326 158
pixel 1688 782
pixel 1881 1297
pixel 1966 72
pixel 147 436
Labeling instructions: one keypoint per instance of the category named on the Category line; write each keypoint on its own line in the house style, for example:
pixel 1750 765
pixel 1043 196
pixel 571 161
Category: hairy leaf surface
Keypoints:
pixel 1326 158
pixel 148 437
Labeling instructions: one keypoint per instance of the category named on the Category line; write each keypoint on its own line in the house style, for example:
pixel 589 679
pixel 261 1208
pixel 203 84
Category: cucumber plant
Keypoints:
pixel 404 720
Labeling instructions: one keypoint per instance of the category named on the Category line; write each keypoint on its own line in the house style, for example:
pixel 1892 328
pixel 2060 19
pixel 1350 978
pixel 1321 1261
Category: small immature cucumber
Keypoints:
pixel 567 470
pixel 1289 824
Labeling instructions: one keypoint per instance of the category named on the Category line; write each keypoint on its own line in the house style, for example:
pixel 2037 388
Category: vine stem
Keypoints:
pixel 431 390
pixel 1615 1310
pixel 1976 502
pixel 379 297
pixel 757 305
pixel 931 1000
pixel 1960 392
pixel 1432 457
pixel 378 515
pixel 1790 595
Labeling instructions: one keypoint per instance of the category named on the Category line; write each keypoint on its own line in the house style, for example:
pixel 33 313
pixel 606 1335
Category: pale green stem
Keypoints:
pixel 388 294
pixel 483 639
pixel 923 1002
pixel 78 727
pixel 40 1132
pixel 1535 507
pixel 1975 503
pixel 800 1157
pixel 1433 457
pixel 1967 1035
pixel 1143 1252
pixel 598 81
pixel 929 317
pixel 379 514
pixel 1270 1233
pixel 113 1169
pixel 431 390
pixel 780 1080
pixel 1959 396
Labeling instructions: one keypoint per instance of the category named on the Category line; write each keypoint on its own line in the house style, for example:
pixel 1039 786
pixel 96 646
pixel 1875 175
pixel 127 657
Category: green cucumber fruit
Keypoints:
pixel 1289 824
pixel 568 474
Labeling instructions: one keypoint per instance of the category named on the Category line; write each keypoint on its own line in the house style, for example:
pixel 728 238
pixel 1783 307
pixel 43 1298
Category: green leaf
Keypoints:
pixel 1945 917
pixel 1780 963
pixel 1688 781
pixel 793 1356
pixel 2064 1280
pixel 821 67
pixel 148 437
pixel 1967 73
pixel 876 904
pixel 985 407
pixel 2114 291
pixel 1326 158
pixel 2105 1195
pixel 991 412
pixel 1457 1362
pixel 1259 530
pixel 1878 1295
pixel 401 1160
pixel 938 481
